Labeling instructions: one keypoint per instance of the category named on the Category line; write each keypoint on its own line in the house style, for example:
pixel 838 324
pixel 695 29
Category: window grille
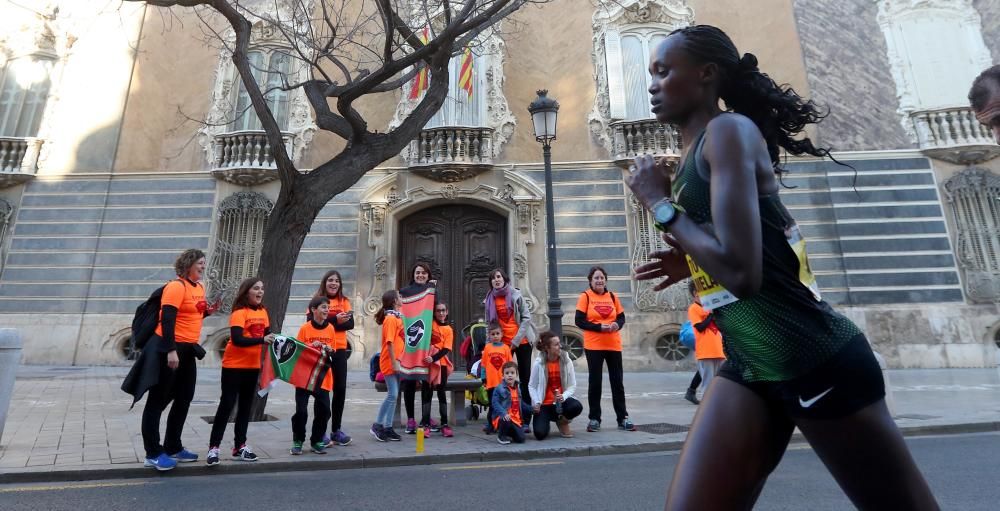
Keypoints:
pixel 974 197
pixel 645 239
pixel 24 89
pixel 6 213
pixel 242 219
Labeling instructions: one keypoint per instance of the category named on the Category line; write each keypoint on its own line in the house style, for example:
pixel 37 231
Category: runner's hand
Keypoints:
pixel 172 359
pixel 669 263
pixel 649 179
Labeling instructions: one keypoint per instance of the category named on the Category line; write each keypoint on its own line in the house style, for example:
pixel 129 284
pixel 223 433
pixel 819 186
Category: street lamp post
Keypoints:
pixel 544 113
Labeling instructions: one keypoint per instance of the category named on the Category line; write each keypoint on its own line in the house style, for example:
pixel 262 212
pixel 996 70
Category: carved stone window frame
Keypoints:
pixel 611 18
pixel 239 237
pixel 891 12
pixel 264 37
pixel 969 194
pixel 645 239
pixel 492 49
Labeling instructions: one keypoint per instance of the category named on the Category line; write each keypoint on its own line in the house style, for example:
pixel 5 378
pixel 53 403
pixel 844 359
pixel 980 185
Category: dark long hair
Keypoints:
pixel 388 302
pixel 322 285
pixel 777 110
pixel 984 86
pixel 242 299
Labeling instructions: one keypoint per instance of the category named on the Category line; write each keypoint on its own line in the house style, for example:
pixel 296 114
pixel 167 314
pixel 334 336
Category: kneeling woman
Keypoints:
pixel 249 329
pixel 552 384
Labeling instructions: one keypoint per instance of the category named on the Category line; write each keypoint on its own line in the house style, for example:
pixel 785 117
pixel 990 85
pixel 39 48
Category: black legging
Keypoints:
pixel 695 382
pixel 425 404
pixel 595 363
pixel 523 355
pixel 176 385
pixel 339 389
pixel 238 386
pixel 409 394
pixel 540 423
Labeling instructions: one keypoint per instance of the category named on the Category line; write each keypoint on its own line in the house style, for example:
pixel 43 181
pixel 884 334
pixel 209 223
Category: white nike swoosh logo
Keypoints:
pixel 677 196
pixel 807 404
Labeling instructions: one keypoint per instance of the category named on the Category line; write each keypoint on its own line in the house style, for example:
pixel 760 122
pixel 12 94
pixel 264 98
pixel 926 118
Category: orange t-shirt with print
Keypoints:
pixel 309 333
pixel 494 357
pixel 515 409
pixel 553 381
pixel 443 338
pixel 337 305
pixel 508 323
pixel 392 338
pixel 707 344
pixel 602 309
pixel 254 323
pixel 189 299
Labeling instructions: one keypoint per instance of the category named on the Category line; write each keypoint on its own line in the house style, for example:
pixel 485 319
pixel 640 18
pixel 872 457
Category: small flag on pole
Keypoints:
pixel 465 72
pixel 423 80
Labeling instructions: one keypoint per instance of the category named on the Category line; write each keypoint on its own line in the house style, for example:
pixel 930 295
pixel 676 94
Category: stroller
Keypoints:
pixel 471 350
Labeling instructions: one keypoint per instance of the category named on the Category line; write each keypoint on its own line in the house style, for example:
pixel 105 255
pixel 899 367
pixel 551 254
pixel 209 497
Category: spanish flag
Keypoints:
pixel 465 74
pixel 423 80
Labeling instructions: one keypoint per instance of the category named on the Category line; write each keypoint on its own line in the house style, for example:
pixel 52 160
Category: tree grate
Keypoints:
pixel 662 428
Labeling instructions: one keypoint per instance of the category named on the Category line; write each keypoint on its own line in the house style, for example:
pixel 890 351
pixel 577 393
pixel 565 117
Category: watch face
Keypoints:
pixel 663 213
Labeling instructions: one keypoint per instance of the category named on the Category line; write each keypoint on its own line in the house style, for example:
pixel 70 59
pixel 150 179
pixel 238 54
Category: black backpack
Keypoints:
pixel 147 315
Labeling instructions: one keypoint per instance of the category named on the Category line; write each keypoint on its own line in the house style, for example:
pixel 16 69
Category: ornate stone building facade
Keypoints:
pixel 107 172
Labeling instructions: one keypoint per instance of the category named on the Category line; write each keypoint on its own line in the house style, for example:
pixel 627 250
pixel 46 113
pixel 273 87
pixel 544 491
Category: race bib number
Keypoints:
pixel 798 244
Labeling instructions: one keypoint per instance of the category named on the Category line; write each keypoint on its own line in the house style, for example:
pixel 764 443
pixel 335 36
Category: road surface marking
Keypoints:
pixel 78 486
pixel 503 465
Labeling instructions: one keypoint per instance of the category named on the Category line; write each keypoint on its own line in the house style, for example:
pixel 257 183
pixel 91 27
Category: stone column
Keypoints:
pixel 10 358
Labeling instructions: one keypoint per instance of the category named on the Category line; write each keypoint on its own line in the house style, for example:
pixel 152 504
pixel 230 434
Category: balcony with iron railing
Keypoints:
pixel 954 135
pixel 451 153
pixel 244 157
pixel 18 159
pixel 645 136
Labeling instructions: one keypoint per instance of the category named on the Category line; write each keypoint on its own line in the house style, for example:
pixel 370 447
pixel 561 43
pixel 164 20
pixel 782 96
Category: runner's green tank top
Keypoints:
pixel 785 329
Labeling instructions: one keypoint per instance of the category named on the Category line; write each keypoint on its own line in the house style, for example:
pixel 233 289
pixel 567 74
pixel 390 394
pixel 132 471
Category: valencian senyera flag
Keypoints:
pixel 423 79
pixel 288 359
pixel 465 72
pixel 418 312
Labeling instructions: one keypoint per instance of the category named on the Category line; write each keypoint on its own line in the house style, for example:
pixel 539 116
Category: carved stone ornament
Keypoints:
pixel 645 239
pixel 972 195
pixel 301 127
pixel 929 12
pixel 499 122
pixel 518 196
pixel 619 15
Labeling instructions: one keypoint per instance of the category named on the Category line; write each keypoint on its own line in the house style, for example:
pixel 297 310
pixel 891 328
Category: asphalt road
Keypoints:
pixel 963 471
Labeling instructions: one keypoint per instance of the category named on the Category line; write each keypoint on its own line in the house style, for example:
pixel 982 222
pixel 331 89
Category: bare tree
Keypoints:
pixel 352 48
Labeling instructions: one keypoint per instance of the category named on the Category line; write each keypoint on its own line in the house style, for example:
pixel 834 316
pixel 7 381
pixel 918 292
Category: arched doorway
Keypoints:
pixel 462 243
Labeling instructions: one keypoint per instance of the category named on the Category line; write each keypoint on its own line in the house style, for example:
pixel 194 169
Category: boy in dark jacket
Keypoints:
pixel 511 413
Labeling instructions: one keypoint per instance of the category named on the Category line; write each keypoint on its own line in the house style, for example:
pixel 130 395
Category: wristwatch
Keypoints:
pixel 664 214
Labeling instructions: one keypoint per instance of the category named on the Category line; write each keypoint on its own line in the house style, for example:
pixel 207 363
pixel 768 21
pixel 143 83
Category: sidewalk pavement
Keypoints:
pixel 73 423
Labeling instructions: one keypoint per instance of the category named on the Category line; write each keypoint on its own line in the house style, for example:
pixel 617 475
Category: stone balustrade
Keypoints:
pixel 244 157
pixel 451 153
pixel 953 135
pixel 646 136
pixel 18 159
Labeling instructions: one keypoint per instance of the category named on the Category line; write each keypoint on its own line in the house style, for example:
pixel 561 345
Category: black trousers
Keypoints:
pixel 238 387
pixel 489 409
pixel 339 389
pixel 177 386
pixel 509 429
pixel 523 356
pixel 541 423
pixel 595 363
pixel 425 404
pixel 695 382
pixel 409 388
pixel 321 414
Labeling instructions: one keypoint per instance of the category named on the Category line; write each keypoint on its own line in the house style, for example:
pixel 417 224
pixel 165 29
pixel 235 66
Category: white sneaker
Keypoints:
pixel 213 456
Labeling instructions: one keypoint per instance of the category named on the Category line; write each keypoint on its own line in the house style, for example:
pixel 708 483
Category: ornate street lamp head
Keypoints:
pixel 544 113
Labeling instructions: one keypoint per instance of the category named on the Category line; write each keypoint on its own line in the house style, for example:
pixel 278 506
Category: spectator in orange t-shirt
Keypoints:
pixel 443 341
pixel 707 339
pixel 601 316
pixel 510 412
pixel 249 330
pixel 505 305
pixel 553 383
pixel 388 362
pixel 182 309
pixel 495 355
pixel 342 319
pixel 317 333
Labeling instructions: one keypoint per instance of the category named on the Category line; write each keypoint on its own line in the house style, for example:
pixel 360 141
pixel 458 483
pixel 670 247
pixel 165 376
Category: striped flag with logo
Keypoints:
pixel 288 359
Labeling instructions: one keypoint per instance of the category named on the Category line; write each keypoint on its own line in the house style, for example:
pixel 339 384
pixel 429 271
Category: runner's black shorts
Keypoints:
pixel 848 382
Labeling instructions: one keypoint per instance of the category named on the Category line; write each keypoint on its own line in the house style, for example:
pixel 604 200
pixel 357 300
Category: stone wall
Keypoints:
pixel 848 71
pixel 989 11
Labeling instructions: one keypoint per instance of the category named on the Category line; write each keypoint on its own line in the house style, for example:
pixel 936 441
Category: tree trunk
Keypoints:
pixel 287 227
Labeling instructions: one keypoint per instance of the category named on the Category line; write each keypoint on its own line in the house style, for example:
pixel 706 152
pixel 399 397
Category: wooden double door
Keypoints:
pixel 462 244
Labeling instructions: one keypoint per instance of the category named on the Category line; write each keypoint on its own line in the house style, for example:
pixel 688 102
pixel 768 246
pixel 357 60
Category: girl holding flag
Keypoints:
pixel 419 283
pixel 249 329
pixel 319 334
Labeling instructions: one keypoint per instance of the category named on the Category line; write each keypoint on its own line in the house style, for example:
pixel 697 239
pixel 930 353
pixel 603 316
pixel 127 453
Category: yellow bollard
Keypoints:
pixel 420 440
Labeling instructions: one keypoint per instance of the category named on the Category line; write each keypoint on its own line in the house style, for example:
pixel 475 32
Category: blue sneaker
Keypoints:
pixel 184 456
pixel 162 462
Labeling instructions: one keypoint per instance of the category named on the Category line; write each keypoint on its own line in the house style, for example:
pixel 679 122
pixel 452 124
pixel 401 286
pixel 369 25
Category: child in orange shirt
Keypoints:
pixel 442 339
pixel 319 334
pixel 510 412
pixel 495 355
pixel 249 329
pixel 392 347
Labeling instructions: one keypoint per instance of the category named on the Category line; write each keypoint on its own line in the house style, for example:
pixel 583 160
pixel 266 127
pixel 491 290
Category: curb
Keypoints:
pixel 137 471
